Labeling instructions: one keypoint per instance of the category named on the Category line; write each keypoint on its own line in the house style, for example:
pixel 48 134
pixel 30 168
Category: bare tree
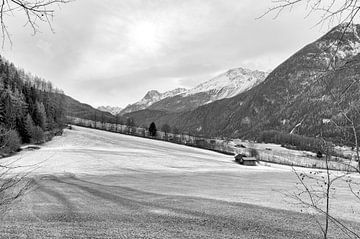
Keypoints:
pixel 166 129
pixel 14 178
pixel 331 12
pixel 315 189
pixel 12 185
pixel 35 11
pixel 314 193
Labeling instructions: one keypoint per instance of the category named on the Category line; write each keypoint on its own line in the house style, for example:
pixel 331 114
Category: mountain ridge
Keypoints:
pixel 225 85
pixel 114 110
pixel 150 97
pixel 266 106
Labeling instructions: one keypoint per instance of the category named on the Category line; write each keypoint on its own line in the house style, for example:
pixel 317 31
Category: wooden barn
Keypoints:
pixel 244 160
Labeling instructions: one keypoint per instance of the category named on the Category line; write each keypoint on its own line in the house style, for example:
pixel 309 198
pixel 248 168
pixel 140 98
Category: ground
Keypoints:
pixel 95 184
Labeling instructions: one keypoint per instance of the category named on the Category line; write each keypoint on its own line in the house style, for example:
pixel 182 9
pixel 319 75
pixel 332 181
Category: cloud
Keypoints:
pixel 111 52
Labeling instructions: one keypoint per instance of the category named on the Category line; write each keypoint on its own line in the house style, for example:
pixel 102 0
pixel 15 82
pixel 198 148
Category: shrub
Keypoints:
pixel 319 154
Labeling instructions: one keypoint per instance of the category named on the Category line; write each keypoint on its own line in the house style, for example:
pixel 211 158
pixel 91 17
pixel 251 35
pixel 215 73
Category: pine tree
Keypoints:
pixel 152 129
pixel 29 126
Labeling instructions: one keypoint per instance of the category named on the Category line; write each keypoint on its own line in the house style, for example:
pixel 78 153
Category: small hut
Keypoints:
pixel 244 160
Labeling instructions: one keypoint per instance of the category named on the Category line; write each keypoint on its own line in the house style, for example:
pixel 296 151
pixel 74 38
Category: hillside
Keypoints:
pixel 330 106
pixel 75 108
pixel 31 109
pixel 274 103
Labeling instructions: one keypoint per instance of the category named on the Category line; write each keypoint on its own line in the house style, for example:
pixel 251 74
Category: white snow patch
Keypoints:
pixel 230 83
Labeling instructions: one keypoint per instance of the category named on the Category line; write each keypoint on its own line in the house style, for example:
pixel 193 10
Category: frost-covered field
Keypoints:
pixel 89 178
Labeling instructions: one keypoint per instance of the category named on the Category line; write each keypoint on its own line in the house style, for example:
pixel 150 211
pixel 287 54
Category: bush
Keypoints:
pixel 319 154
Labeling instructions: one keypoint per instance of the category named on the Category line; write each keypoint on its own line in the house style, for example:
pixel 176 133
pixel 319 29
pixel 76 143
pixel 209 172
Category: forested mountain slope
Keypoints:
pixel 29 106
pixel 278 102
pixel 77 109
pixel 31 109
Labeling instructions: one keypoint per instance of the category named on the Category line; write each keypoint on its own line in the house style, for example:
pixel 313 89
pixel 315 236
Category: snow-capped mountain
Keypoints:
pixel 111 109
pixel 230 83
pixel 302 93
pixel 171 93
pixel 226 85
pixel 150 98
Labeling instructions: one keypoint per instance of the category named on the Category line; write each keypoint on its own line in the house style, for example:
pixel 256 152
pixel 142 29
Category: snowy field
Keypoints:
pixel 89 175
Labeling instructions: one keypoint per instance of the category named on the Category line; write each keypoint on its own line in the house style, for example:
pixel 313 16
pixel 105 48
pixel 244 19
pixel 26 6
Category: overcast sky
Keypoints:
pixel 111 52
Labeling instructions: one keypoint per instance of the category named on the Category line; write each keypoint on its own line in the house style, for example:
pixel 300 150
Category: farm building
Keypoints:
pixel 244 160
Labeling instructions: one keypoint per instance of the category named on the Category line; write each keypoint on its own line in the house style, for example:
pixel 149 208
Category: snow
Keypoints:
pixel 344 50
pixel 111 109
pixel 226 85
pixel 230 83
pixel 92 152
pixel 150 98
pixel 171 93
pixel 165 168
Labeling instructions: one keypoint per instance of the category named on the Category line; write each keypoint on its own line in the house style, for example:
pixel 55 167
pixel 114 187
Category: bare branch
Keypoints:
pixel 35 12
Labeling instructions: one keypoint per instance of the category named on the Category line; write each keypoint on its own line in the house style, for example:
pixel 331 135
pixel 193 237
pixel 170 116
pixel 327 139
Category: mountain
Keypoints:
pixel 230 83
pixel 77 109
pixel 280 101
pixel 330 108
pixel 111 109
pixel 226 85
pixel 150 98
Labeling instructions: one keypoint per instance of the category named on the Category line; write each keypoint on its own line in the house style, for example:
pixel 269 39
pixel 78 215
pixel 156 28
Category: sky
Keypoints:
pixel 112 52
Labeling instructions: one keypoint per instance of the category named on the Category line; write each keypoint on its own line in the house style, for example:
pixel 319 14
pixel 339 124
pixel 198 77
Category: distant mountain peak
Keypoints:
pixel 225 85
pixel 111 109
pixel 230 83
pixel 150 98
pixel 152 94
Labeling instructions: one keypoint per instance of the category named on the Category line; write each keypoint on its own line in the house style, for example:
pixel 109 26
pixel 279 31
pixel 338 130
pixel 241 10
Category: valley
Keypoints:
pixel 92 183
pixel 180 119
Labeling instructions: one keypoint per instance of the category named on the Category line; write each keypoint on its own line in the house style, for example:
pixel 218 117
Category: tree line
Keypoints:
pixel 31 109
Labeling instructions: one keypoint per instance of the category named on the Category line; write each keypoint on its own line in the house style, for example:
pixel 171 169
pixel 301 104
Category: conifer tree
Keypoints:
pixel 29 126
pixel 40 115
pixel 152 129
